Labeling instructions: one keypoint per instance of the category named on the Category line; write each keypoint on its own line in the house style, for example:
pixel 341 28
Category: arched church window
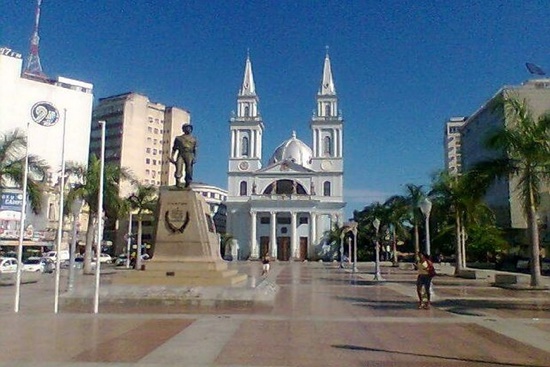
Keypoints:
pixel 327 145
pixel 243 188
pixel 247 111
pixel 326 188
pixel 245 146
pixel 327 110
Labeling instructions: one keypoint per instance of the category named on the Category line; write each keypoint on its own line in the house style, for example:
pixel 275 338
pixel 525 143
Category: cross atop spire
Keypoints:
pixel 248 88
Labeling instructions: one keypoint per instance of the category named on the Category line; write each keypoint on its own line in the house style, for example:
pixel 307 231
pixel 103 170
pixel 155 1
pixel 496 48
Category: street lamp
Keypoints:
pixel 342 248
pixel 352 227
pixel 426 207
pixel 377 275
pixel 75 211
pixel 100 217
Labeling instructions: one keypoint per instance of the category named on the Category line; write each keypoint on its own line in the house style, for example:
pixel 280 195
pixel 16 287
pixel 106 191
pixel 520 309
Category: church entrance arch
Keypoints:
pixel 283 248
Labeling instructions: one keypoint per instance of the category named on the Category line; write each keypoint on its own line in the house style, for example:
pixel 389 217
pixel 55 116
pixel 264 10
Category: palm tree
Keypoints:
pixel 415 193
pixel 12 167
pixel 399 215
pixel 142 201
pixel 525 146
pixel 88 191
pixel 459 196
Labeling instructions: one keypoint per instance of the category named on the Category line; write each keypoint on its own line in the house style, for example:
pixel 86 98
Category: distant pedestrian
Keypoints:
pixel 424 280
pixel 265 265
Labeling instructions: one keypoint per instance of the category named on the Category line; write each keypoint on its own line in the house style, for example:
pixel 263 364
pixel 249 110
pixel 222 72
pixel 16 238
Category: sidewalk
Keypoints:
pixel 322 316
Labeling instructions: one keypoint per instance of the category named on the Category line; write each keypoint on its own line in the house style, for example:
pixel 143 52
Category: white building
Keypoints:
pixel 284 208
pixel 45 106
pixel 43 102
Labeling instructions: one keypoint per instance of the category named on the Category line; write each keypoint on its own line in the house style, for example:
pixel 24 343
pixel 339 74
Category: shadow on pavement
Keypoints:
pixel 480 361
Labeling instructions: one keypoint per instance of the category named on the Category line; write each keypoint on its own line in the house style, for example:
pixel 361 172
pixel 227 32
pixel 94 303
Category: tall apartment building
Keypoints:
pixel 503 197
pixel 452 145
pixel 139 136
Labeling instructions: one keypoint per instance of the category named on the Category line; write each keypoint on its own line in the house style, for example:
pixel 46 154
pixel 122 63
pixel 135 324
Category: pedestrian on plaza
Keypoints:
pixel 265 265
pixel 424 280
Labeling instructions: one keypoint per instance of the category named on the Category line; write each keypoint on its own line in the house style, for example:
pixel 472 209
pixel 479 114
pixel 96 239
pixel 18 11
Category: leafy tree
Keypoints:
pixel 524 144
pixel 142 201
pixel 88 190
pixel 12 167
pixel 398 218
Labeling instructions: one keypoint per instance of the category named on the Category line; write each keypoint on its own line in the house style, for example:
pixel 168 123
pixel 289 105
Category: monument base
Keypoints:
pixel 175 273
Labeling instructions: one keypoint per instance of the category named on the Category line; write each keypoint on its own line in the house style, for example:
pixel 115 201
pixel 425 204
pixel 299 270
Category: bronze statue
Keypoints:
pixel 184 152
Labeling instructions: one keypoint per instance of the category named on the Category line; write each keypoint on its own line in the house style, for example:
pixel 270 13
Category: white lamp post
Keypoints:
pixel 426 207
pixel 75 211
pixel 352 226
pixel 377 275
pixel 100 218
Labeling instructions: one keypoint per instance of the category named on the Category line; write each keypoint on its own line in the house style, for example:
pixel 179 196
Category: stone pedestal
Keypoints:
pixel 187 250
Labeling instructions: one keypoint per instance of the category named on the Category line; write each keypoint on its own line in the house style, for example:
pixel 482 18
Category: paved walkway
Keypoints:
pixel 322 316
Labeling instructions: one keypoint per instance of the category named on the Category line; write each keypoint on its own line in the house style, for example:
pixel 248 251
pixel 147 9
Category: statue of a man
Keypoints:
pixel 184 152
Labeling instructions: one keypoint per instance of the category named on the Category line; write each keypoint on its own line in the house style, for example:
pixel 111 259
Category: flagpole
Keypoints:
pixel 100 218
pixel 22 223
pixel 60 219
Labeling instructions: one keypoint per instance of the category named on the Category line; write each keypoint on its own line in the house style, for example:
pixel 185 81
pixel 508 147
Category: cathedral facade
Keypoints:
pixel 284 208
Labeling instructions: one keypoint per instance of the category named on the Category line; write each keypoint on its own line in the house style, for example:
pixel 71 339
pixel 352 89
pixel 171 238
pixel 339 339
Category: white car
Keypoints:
pixel 105 259
pixel 34 264
pixel 8 265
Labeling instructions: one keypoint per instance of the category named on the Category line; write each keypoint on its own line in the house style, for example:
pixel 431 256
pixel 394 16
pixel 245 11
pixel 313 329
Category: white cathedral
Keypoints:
pixel 284 208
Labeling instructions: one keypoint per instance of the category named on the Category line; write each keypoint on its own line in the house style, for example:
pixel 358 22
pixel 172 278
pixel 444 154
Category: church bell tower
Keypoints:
pixel 246 127
pixel 327 126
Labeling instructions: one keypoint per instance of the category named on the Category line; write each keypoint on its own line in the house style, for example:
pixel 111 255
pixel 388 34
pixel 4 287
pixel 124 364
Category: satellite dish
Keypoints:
pixel 534 69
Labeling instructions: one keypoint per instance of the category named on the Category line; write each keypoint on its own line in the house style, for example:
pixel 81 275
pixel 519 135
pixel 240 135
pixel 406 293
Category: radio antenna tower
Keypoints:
pixel 33 67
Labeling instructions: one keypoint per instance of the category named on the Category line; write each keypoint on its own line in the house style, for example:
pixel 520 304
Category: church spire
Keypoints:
pixel 327 84
pixel 248 88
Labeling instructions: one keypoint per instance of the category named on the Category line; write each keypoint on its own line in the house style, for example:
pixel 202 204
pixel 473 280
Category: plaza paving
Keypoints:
pixel 322 316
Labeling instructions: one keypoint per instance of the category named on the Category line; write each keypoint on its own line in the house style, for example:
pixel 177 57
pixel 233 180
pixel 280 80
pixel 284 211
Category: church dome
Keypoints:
pixel 293 150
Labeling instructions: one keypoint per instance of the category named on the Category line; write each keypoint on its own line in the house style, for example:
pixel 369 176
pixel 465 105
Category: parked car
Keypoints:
pixel 121 259
pixel 63 255
pixel 105 258
pixel 34 264
pixel 8 265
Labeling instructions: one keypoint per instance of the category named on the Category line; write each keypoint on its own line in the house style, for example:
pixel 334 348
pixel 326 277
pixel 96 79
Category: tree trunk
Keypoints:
pixel 536 280
pixel 138 250
pixel 463 245
pixel 458 226
pixel 89 254
pixel 416 240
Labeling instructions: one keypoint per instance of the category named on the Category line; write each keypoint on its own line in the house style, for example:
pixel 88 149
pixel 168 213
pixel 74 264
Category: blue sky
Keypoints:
pixel 401 68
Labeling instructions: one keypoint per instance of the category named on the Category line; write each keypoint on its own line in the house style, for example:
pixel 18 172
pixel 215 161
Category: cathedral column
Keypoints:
pixel 313 230
pixel 293 236
pixel 254 253
pixel 273 234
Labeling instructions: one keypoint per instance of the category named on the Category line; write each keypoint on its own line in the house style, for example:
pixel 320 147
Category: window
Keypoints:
pixel 327 146
pixel 154 152
pixel 283 220
pixel 147 172
pixel 246 111
pixel 147 150
pixel 243 188
pixel 156 131
pixel 147 161
pixel 150 129
pixel 327 109
pixel 326 188
pixel 150 119
pixel 154 162
pixel 244 146
pixel 155 141
pixel 264 220
pixel 303 220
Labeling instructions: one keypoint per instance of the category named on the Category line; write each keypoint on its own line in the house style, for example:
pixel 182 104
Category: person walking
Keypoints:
pixel 265 265
pixel 426 272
